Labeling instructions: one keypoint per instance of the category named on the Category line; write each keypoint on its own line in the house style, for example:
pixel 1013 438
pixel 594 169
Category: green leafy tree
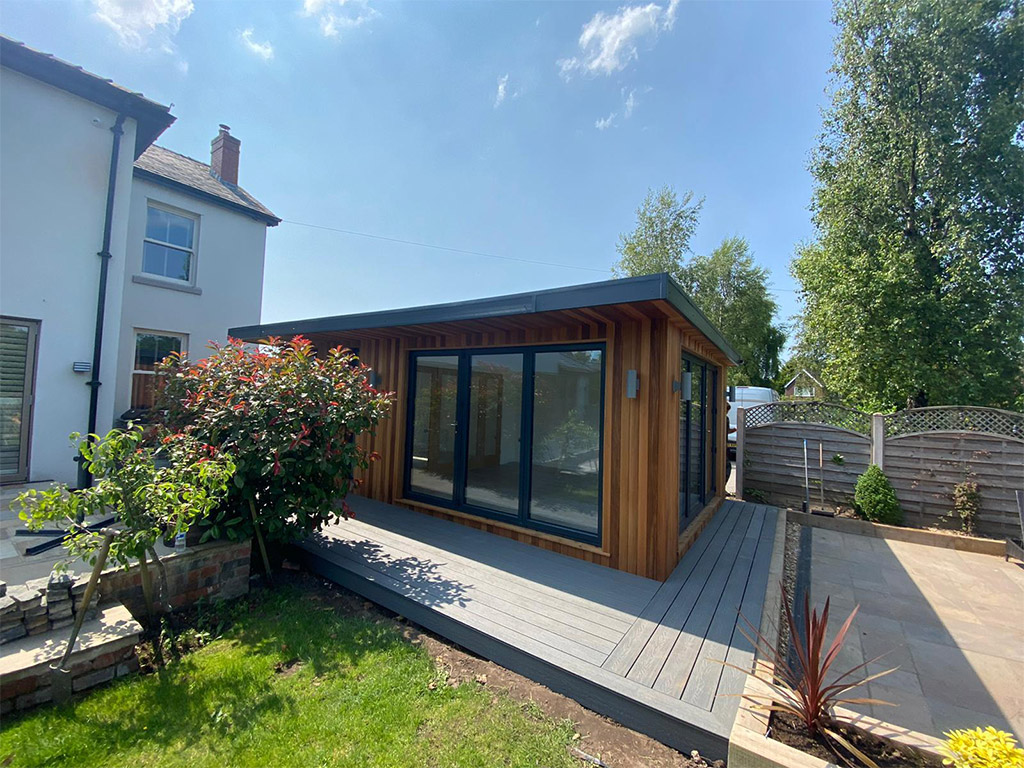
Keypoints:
pixel 914 286
pixel 665 224
pixel 153 490
pixel 726 285
pixel 733 292
pixel 289 419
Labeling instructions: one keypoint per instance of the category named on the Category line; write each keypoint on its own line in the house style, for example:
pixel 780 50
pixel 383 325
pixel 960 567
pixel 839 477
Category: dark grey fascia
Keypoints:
pixel 660 287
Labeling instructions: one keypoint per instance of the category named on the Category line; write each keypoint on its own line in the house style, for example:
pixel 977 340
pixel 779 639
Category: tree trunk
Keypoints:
pixel 147 594
pixel 261 544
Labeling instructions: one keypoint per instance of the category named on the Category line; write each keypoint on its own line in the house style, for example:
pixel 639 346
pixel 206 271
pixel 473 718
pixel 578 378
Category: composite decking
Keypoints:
pixel 642 652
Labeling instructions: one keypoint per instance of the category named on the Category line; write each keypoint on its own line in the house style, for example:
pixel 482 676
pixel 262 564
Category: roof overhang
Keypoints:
pixel 151 118
pixel 660 287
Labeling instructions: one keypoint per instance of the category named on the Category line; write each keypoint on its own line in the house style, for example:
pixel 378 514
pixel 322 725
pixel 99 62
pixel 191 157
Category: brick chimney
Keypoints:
pixel 224 156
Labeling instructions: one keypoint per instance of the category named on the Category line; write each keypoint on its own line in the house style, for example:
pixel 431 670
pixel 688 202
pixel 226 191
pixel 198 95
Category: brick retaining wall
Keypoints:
pixel 216 570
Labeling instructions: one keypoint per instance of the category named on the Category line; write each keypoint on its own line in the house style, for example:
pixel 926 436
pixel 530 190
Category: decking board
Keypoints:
pixel 570 624
pixel 513 588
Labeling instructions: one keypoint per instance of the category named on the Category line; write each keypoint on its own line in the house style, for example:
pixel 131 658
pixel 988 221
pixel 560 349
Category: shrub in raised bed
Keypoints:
pixel 875 499
pixel 289 418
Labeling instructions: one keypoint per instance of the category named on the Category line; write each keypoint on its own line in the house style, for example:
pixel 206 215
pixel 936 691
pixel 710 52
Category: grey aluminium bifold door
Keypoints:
pixel 510 433
pixel 17 388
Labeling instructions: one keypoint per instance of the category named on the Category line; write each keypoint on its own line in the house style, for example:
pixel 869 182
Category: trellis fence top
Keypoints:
pixel 941 418
pixel 786 411
pixel 955 418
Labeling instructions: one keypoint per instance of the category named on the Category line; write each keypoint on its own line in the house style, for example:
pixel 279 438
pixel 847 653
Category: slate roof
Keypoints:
pixel 151 117
pixel 170 169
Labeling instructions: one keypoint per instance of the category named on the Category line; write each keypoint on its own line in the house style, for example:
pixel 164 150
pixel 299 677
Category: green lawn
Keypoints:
pixel 363 696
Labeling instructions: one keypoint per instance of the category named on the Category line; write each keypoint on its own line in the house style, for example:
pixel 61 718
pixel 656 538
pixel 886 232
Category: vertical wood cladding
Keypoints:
pixel 641 435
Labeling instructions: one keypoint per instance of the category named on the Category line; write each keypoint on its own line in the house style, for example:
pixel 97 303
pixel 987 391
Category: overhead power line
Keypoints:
pixel 444 247
pixel 466 252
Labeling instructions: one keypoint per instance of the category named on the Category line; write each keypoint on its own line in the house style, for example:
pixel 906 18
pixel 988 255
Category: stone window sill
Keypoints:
pixel 158 283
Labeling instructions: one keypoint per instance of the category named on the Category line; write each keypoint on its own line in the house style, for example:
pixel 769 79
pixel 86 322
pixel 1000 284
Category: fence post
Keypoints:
pixel 878 439
pixel 741 434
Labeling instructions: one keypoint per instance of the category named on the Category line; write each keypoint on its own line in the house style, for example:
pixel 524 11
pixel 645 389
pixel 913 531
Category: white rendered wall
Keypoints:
pixel 228 270
pixel 54 165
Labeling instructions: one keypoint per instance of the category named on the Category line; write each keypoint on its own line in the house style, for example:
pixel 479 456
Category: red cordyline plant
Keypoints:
pixel 805 687
pixel 289 419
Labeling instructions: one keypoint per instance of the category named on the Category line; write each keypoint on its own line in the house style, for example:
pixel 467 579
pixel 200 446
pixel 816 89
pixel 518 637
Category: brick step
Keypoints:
pixel 105 649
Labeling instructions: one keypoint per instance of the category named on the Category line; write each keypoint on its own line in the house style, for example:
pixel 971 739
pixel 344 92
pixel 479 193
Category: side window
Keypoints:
pixel 151 347
pixel 169 247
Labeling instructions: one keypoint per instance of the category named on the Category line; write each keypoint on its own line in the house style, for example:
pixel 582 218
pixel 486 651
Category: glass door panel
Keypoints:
pixel 697 458
pixel 693 443
pixel 495 422
pixel 566 444
pixel 433 423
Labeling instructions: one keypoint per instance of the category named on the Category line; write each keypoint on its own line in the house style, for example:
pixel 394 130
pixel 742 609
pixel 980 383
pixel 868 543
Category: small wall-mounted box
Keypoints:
pixel 632 383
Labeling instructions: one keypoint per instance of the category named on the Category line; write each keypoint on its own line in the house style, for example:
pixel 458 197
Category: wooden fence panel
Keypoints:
pixel 773 461
pixel 924 468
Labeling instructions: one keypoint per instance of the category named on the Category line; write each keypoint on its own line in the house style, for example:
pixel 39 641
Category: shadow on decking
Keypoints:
pixel 420 578
pixel 612 589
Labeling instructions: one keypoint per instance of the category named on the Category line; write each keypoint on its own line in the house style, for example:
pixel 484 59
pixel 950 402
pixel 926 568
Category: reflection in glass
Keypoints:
pixel 566 460
pixel 433 425
pixel 693 423
pixel 695 481
pixel 495 419
pixel 166 262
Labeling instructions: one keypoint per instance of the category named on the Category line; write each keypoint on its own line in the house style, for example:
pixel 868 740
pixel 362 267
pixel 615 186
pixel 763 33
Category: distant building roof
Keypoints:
pixel 806 373
pixel 151 117
pixel 660 287
pixel 162 166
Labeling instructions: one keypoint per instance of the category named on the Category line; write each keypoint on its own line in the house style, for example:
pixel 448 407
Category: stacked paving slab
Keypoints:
pixel 41 605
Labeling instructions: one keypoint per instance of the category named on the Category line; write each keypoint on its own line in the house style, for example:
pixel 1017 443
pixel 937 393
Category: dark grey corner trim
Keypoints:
pixel 158 283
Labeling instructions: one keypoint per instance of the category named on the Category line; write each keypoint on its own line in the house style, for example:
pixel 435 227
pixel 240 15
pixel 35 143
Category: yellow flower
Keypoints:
pixel 982 748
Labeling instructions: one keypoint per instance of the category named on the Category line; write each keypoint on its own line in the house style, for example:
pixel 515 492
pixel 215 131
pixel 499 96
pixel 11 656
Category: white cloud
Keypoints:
pixel 140 22
pixel 264 50
pixel 630 103
pixel 603 123
pixel 499 97
pixel 609 42
pixel 337 15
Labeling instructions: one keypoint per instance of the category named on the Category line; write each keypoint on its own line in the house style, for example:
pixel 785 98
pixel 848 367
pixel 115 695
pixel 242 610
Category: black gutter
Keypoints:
pixel 268 218
pixel 94 383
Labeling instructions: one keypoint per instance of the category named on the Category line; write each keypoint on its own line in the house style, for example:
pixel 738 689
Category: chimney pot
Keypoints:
pixel 224 151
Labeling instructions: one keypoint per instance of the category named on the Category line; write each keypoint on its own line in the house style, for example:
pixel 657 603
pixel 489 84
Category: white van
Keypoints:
pixel 747 397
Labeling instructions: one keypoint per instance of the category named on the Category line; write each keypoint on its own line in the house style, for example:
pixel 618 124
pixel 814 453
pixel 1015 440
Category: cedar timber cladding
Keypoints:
pixel 640 480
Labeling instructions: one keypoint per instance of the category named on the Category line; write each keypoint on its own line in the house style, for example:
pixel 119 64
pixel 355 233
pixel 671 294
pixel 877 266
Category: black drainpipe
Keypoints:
pixel 84 477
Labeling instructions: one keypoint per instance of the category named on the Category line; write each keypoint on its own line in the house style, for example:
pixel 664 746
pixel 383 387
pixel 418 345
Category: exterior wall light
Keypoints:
pixel 632 383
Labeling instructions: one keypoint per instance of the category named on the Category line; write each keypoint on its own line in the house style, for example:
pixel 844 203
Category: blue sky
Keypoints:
pixel 529 130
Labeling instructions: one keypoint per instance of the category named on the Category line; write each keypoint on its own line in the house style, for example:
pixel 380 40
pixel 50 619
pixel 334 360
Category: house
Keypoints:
pixel 587 420
pixel 113 252
pixel 804 386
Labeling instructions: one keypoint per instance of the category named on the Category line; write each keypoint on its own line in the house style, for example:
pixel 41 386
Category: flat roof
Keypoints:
pixel 660 287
